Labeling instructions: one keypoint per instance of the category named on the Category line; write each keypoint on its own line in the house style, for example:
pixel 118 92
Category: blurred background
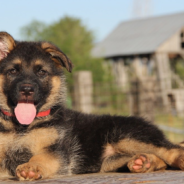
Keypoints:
pixel 128 56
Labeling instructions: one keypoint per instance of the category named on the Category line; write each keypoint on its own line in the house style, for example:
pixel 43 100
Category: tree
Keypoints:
pixel 73 38
pixel 33 31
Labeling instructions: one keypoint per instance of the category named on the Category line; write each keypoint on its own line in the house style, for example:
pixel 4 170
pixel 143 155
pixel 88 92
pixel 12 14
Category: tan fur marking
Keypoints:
pixel 37 139
pixel 38 62
pixel 3 98
pixel 111 165
pixel 6 123
pixel 5 140
pixel 14 62
pixel 159 163
pixel 55 94
pixel 47 45
pixel 41 63
pixel 108 151
pixel 170 155
pixel 45 165
pixel 17 61
pixel 42 162
pixel 49 162
pixel 46 138
pixel 57 63
pixel 134 147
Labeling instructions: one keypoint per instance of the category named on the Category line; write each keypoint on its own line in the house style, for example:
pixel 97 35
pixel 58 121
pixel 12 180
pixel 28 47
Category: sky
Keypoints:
pixel 100 16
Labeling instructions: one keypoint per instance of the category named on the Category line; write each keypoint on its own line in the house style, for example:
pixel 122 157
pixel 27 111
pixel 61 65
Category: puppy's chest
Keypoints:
pixel 16 149
pixel 35 140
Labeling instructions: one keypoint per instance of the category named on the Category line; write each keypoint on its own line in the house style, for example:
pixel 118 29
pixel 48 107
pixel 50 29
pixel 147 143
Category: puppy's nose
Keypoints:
pixel 26 89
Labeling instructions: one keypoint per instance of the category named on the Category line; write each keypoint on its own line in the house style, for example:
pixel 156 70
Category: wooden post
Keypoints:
pixel 147 96
pixel 142 98
pixel 121 74
pixel 83 91
pixel 164 75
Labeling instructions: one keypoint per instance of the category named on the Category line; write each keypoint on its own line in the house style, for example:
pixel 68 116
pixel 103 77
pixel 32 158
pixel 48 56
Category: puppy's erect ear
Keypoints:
pixel 57 55
pixel 7 43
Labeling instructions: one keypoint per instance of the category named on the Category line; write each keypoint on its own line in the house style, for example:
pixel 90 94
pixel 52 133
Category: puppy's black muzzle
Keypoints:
pixel 26 89
pixel 26 93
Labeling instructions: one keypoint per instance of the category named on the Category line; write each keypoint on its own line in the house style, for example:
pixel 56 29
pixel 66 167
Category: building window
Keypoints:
pixel 182 39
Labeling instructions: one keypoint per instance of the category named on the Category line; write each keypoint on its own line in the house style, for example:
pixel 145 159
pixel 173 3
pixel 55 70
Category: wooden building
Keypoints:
pixel 148 45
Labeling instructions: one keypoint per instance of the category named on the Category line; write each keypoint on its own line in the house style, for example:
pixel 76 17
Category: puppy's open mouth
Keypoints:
pixel 25 112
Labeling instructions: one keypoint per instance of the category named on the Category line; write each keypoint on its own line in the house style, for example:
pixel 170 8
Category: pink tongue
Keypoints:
pixel 25 113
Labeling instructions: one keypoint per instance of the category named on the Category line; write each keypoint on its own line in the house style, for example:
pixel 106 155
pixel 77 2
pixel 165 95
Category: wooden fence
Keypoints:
pixel 140 98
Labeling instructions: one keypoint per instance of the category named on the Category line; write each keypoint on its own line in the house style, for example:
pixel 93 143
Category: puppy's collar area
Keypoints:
pixel 40 114
pixel 43 113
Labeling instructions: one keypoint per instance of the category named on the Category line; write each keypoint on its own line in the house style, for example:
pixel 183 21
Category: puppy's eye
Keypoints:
pixel 42 72
pixel 13 71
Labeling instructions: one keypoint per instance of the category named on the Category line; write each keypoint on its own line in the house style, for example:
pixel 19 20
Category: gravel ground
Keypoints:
pixel 161 177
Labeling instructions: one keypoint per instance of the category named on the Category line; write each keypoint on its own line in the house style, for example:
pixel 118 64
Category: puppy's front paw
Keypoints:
pixel 29 171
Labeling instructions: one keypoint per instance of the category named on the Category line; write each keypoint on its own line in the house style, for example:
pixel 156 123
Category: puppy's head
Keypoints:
pixel 31 77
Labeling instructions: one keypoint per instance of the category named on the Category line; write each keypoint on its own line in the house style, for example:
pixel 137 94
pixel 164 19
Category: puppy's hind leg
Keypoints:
pixel 173 157
pixel 142 163
pixel 114 162
pixel 139 163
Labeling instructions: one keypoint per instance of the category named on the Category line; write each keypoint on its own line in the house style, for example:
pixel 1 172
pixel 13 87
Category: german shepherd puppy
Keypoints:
pixel 41 138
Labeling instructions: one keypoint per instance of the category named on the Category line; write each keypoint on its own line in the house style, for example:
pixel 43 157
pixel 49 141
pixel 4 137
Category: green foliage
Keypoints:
pixel 180 69
pixel 74 39
pixel 33 31
pixel 177 66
